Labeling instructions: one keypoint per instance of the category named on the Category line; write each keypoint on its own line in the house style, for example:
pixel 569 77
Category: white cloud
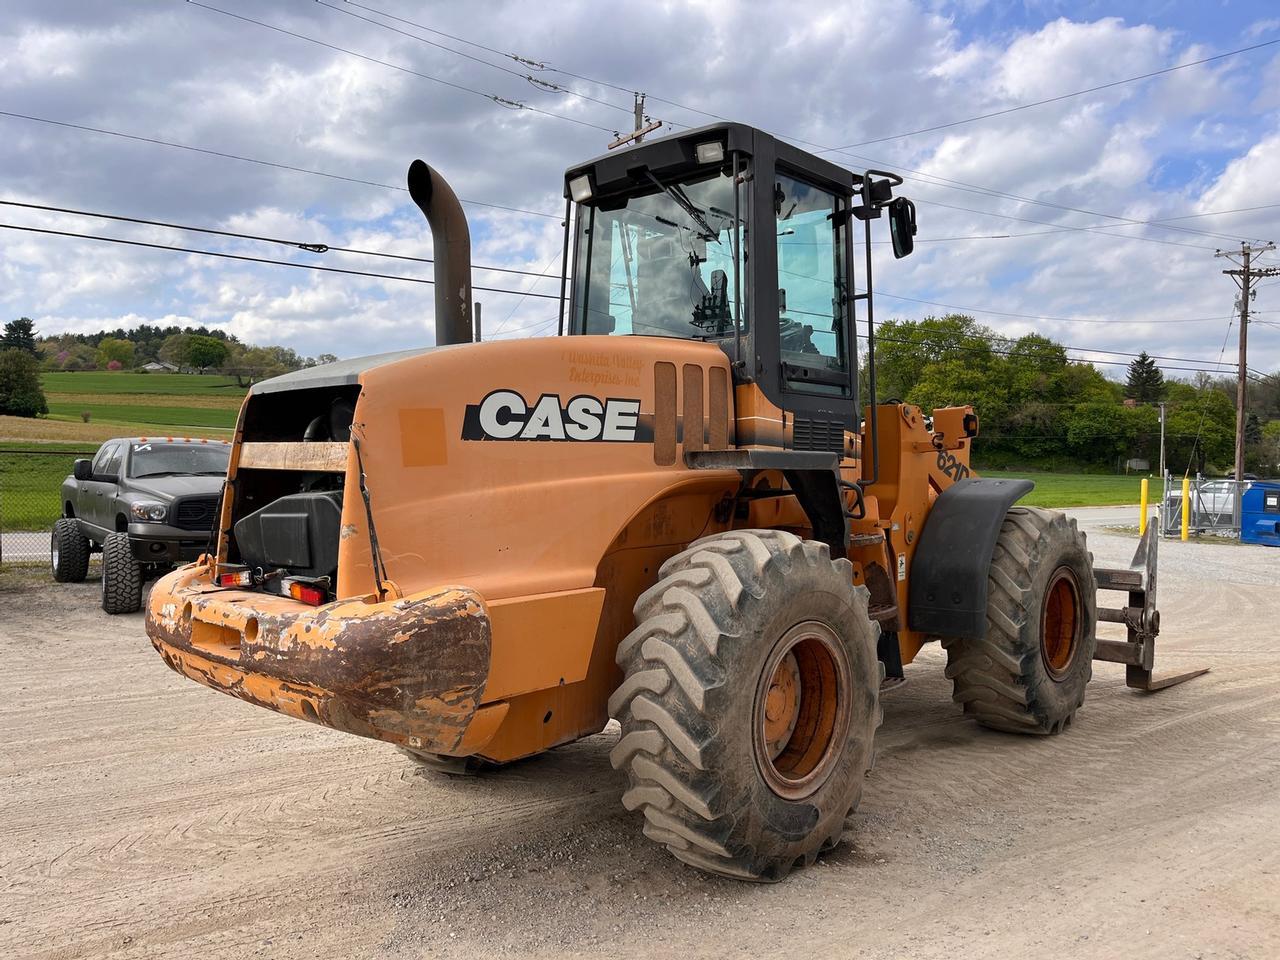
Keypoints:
pixel 849 72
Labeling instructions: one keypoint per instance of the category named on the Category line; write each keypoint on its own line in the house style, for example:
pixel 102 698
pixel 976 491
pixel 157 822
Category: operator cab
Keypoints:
pixel 728 235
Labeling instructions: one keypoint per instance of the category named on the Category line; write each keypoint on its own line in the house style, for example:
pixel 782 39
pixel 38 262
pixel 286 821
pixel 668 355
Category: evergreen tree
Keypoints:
pixel 1252 430
pixel 19 334
pixel 20 393
pixel 1146 382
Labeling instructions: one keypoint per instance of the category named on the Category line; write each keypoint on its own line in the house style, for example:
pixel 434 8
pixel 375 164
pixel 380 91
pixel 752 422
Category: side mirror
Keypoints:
pixel 902 226
pixel 82 470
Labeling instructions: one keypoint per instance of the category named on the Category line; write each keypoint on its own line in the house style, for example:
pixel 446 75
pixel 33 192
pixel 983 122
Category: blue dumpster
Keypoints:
pixel 1260 514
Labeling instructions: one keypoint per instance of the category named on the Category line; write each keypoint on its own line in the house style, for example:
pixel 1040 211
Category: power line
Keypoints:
pixel 1027 316
pixel 155 141
pixel 500 101
pixel 983 351
pixel 539 65
pixel 1059 98
pixel 237 256
pixel 541 84
pixel 933 179
pixel 301 245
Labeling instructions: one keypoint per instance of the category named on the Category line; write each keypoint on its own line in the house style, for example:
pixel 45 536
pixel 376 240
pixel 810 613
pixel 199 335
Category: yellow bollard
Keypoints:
pixel 1142 517
pixel 1186 506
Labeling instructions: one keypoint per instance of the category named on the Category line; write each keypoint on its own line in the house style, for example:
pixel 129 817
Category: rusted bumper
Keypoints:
pixel 409 671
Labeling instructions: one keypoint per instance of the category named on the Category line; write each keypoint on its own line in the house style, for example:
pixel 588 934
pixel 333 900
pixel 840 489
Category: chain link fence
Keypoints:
pixel 1213 506
pixel 30 500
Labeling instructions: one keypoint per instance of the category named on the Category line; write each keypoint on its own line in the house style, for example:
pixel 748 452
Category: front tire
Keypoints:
pixel 750 703
pixel 121 576
pixel 68 551
pixel 1029 673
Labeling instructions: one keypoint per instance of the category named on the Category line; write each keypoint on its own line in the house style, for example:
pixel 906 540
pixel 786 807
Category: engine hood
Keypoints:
pixel 171 488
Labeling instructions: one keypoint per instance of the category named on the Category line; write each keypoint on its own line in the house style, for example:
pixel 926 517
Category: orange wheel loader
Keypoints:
pixel 675 513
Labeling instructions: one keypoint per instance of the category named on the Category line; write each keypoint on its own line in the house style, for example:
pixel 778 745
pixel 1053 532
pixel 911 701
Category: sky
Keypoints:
pixel 1000 200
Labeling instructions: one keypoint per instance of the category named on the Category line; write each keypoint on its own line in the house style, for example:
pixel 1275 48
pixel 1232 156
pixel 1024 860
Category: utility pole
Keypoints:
pixel 639 116
pixel 1164 477
pixel 642 127
pixel 1244 275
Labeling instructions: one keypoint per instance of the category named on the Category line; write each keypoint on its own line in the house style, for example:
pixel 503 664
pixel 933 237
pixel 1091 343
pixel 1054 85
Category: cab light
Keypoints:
pixel 312 592
pixel 235 576
pixel 580 188
pixel 712 152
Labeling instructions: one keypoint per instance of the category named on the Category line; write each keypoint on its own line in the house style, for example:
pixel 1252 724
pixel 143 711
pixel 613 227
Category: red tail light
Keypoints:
pixel 235 576
pixel 310 592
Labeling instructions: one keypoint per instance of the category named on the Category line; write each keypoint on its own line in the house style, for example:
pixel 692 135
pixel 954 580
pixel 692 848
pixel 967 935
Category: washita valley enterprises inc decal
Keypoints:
pixel 507 415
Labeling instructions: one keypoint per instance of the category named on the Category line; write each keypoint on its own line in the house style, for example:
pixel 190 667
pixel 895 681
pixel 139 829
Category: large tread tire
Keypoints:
pixel 68 551
pixel 121 576
pixel 1004 680
pixel 693 668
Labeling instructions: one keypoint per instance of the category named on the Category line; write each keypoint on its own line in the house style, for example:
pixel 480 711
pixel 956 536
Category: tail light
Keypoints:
pixel 234 575
pixel 306 590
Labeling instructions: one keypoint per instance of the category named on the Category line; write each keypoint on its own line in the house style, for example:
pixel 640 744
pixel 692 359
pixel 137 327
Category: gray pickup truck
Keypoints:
pixel 146 503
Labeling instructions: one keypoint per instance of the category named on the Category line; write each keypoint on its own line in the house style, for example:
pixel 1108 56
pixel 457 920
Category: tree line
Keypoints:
pixel 1039 408
pixel 187 349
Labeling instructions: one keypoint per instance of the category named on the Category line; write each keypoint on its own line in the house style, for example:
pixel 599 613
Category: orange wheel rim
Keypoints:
pixel 1060 622
pixel 802 710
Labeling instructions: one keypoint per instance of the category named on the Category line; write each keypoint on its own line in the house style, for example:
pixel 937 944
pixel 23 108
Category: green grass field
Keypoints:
pixel 154 416
pixel 1078 489
pixel 30 483
pixel 176 384
pixel 132 403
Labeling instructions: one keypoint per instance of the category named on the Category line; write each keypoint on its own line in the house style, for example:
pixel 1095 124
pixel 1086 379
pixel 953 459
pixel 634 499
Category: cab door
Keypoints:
pixel 98 493
pixel 807 362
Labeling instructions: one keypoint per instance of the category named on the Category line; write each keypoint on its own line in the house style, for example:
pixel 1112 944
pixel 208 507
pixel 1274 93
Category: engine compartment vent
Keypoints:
pixel 824 435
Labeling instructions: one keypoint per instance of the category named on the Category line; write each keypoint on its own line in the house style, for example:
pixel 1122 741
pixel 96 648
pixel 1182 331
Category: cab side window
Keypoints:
pixel 112 468
pixel 811 286
pixel 102 459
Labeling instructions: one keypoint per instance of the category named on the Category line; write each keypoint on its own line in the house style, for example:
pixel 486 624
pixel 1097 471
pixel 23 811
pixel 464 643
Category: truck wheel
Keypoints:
pixel 1028 675
pixel 121 576
pixel 750 703
pixel 68 551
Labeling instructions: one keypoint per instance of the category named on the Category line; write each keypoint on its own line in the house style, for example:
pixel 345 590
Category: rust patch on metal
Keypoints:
pixel 408 670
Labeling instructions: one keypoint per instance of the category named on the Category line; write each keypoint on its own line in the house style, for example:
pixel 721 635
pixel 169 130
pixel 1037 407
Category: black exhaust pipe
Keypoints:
pixel 451 240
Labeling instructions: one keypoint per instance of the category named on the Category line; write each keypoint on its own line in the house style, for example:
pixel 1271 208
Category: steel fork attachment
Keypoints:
pixel 1140 616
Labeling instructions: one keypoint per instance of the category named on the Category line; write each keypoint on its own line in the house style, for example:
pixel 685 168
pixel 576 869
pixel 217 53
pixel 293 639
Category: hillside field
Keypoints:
pixel 130 403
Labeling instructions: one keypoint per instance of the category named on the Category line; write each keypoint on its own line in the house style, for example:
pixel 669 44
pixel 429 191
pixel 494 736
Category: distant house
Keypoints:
pixel 159 366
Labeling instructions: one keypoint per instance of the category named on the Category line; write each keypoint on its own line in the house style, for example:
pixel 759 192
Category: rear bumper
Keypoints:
pixel 410 671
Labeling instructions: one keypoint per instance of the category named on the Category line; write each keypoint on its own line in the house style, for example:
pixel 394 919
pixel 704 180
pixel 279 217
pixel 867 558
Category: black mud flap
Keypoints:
pixel 1140 616
pixel 949 570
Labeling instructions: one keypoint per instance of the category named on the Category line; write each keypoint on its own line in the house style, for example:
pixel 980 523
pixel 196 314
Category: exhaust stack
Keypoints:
pixel 451 240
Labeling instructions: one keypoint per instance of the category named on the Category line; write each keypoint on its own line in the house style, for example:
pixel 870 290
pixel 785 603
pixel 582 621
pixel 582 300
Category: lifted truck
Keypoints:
pixel 146 504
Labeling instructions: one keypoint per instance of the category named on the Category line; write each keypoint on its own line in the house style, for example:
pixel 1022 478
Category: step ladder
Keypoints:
pixel 1139 615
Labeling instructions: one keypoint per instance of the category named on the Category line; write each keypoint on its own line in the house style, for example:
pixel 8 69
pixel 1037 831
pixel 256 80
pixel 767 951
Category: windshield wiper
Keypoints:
pixel 696 213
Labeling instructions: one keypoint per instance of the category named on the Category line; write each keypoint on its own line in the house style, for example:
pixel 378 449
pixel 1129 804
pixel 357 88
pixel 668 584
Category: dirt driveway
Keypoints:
pixel 142 815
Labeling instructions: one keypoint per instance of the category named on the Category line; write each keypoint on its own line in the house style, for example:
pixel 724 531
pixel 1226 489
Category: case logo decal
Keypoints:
pixel 506 415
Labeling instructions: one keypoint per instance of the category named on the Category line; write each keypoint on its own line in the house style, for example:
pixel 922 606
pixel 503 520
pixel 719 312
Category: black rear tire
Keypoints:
pixel 121 576
pixel 68 551
pixel 1029 673
pixel 720 785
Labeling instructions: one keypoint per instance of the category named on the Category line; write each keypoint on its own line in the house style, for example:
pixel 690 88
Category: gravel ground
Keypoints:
pixel 143 816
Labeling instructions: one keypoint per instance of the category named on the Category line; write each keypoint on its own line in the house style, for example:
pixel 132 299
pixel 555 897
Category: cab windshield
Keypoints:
pixel 664 263
pixel 151 459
